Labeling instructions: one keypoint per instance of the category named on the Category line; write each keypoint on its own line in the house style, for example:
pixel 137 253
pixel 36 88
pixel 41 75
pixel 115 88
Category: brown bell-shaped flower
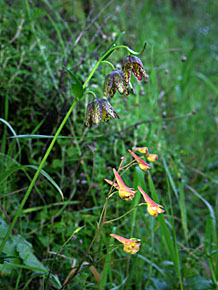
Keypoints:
pixel 99 110
pixel 134 64
pixel 115 81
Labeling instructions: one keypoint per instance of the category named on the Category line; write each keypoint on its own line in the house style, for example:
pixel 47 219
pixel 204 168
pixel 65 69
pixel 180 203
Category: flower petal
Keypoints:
pixel 111 183
pixel 142 164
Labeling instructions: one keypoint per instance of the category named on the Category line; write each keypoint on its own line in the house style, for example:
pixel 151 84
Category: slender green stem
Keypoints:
pixel 36 176
pixel 113 220
pixel 109 63
pixel 92 93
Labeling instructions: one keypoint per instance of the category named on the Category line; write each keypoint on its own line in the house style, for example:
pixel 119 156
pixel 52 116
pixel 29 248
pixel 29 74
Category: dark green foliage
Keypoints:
pixel 174 114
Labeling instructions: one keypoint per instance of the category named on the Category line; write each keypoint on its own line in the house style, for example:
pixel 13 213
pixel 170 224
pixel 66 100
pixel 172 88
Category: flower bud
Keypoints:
pixel 143 150
pixel 152 157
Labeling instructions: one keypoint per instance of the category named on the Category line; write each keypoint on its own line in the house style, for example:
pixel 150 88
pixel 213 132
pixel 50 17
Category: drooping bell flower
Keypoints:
pixel 153 208
pixel 141 163
pixel 99 110
pixel 134 64
pixel 115 81
pixel 124 191
pixel 130 246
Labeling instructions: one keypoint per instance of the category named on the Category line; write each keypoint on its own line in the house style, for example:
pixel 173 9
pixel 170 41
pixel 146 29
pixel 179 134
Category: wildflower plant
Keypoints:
pixel 100 110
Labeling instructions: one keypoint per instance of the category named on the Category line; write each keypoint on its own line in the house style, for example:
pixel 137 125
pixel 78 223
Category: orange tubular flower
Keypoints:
pixel 143 150
pixel 124 191
pixel 152 157
pixel 153 208
pixel 142 164
pixel 129 245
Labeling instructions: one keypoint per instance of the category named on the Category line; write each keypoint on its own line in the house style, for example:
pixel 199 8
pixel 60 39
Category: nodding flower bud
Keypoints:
pixel 142 164
pixel 134 64
pixel 152 157
pixel 130 246
pixel 99 110
pixel 115 81
pixel 153 208
pixel 125 192
pixel 143 150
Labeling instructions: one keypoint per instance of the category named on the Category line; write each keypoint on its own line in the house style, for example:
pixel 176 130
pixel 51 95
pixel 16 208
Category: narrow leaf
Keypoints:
pixel 76 85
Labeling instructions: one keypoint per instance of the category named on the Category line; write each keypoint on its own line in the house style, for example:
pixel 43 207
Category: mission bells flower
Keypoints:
pixel 141 163
pixel 153 208
pixel 134 64
pixel 130 246
pixel 115 81
pixel 125 192
pixel 99 110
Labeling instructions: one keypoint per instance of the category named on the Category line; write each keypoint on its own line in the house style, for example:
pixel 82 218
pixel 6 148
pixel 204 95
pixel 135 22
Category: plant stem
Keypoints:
pixel 36 176
pixel 43 161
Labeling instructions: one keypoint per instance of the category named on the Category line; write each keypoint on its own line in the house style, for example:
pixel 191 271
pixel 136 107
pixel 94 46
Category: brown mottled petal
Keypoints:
pixel 109 109
pixel 112 92
pixel 126 90
pixel 136 69
pixel 126 72
pixel 108 84
pixel 88 120
pixel 96 111
pixel 119 82
pixel 135 59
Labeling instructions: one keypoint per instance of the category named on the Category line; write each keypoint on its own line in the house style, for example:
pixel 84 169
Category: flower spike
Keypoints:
pixel 129 245
pixel 99 110
pixel 115 81
pixel 142 164
pixel 125 192
pixel 153 208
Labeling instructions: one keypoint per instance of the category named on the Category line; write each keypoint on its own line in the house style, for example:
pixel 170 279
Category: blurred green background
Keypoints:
pixel 174 114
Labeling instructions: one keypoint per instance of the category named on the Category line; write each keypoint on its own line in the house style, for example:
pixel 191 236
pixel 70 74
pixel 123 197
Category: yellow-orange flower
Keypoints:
pixel 130 246
pixel 153 208
pixel 143 150
pixel 152 157
pixel 142 164
pixel 124 191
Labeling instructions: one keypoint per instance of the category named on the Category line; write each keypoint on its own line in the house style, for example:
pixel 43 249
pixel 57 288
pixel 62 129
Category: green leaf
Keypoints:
pixel 77 87
pixel 32 136
pixel 24 250
pixel 12 130
pixel 11 170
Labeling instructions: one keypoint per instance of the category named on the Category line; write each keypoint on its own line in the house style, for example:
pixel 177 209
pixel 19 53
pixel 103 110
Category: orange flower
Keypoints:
pixel 142 164
pixel 129 246
pixel 152 157
pixel 124 191
pixel 153 208
pixel 143 150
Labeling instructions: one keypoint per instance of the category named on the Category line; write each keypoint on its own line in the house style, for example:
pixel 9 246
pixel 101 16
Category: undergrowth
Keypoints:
pixel 173 113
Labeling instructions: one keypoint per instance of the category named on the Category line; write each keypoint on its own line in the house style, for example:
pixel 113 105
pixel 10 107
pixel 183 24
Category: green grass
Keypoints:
pixel 174 114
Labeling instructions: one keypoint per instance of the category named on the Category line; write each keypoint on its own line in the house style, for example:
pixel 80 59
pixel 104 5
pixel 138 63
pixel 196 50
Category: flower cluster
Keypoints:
pixel 130 245
pixel 100 110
